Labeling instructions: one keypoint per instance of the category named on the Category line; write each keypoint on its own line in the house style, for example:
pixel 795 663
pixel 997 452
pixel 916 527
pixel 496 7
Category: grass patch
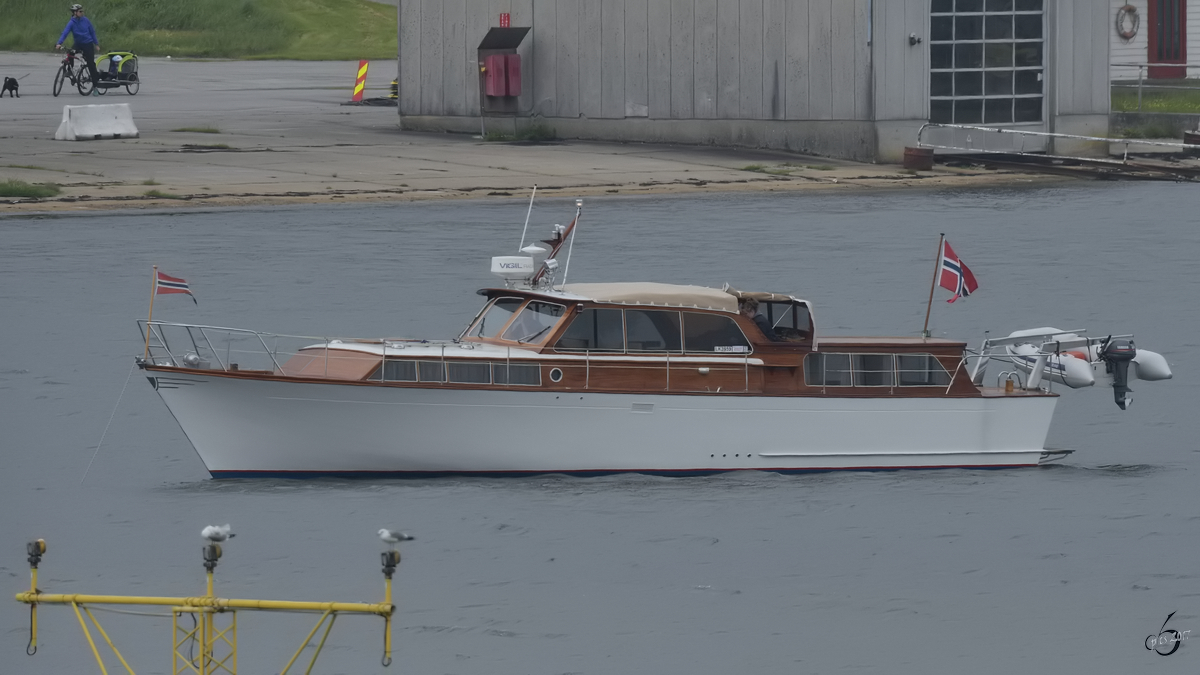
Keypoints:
pixel 761 168
pixel 307 30
pixel 199 130
pixel 811 167
pixel 159 194
pixel 1150 130
pixel 31 167
pixel 1155 100
pixel 207 146
pixel 536 133
pixel 150 181
pixel 19 188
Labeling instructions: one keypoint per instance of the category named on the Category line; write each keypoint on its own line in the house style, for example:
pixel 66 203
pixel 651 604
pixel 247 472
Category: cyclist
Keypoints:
pixel 85 40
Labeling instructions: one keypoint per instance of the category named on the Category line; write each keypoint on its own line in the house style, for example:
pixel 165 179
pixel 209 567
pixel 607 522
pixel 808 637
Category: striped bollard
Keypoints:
pixel 360 83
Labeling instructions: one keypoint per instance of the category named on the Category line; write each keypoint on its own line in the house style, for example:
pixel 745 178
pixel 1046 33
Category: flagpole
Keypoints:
pixel 936 268
pixel 153 289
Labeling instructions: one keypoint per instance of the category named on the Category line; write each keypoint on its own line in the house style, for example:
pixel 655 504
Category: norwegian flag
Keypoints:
pixel 167 284
pixel 955 275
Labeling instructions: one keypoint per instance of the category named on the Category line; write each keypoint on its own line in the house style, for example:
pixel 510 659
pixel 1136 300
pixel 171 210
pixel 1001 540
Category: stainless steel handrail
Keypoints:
pixel 1142 67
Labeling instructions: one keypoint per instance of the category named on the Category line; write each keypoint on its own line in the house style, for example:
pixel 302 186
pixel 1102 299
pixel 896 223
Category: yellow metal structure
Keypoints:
pixel 205 648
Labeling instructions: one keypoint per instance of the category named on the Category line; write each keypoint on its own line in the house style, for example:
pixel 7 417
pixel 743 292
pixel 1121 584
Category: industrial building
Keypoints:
pixel 853 79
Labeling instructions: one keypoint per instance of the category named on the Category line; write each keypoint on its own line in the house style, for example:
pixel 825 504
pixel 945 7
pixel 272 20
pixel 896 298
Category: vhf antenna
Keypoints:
pixel 526 229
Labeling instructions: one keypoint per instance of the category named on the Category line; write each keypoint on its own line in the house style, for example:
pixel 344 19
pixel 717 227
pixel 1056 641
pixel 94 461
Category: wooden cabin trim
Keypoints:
pixel 684 380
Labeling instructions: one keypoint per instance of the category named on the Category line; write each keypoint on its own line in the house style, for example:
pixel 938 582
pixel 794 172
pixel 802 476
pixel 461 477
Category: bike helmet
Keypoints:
pixel 76 7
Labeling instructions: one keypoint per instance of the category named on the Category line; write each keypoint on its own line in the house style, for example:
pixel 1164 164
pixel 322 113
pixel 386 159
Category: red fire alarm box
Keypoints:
pixel 513 71
pixel 495 80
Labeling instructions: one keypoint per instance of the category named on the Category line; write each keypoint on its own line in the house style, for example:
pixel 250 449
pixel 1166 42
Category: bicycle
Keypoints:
pixel 73 69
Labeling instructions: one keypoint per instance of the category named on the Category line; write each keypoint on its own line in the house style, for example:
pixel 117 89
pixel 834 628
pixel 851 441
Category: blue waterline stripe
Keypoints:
pixel 682 473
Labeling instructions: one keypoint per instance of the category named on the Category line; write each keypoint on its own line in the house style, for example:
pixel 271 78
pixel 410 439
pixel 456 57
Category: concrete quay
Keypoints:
pixel 234 133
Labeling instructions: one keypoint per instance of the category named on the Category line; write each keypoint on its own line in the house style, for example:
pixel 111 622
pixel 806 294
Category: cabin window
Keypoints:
pixel 650 330
pixel 397 371
pixel 431 371
pixel 517 373
pixel 469 372
pixel 534 322
pixel 827 370
pixel 712 333
pixel 601 330
pixel 921 370
pixel 495 317
pixel 790 319
pixel 873 370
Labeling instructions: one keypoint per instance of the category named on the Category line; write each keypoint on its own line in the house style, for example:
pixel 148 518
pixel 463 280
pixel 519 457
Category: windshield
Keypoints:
pixel 534 322
pixel 494 317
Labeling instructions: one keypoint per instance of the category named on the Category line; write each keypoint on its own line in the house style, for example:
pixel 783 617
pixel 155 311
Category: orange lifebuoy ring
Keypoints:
pixel 1128 14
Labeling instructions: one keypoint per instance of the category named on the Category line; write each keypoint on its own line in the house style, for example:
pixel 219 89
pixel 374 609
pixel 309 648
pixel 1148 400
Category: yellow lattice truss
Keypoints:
pixel 209 645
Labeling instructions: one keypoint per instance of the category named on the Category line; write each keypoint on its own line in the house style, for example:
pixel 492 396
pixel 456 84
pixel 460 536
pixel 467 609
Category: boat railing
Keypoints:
pixel 184 345
pixel 202 347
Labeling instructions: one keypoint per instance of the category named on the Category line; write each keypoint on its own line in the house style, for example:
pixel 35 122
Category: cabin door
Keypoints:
pixel 1167 38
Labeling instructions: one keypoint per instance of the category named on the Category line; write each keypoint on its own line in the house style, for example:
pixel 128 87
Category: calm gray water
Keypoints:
pixel 1059 569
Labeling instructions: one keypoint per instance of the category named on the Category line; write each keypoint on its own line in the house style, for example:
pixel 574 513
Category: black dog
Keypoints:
pixel 12 87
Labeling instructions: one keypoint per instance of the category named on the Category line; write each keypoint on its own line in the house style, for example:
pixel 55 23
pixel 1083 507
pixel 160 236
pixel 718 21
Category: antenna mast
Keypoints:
pixel 571 246
pixel 527 213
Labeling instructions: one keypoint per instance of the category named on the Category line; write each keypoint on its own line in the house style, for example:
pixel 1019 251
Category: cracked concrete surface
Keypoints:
pixel 283 136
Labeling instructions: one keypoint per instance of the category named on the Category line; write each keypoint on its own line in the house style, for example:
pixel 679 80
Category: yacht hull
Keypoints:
pixel 253 427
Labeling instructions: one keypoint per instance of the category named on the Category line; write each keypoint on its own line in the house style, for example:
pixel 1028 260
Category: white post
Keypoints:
pixel 978 368
pixel 1035 375
pixel 1141 71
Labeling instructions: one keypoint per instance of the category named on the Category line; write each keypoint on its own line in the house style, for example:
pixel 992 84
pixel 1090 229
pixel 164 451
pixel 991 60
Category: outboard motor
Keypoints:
pixel 1117 354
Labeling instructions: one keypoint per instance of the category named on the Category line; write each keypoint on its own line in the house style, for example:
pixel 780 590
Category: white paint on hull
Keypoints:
pixel 240 425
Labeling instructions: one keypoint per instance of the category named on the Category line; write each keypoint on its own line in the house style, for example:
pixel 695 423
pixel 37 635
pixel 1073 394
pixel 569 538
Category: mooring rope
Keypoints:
pixel 106 426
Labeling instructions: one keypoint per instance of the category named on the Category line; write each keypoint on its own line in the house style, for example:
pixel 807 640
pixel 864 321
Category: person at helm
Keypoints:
pixel 85 40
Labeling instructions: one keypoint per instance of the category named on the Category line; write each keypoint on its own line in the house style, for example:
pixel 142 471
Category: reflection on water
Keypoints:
pixel 890 572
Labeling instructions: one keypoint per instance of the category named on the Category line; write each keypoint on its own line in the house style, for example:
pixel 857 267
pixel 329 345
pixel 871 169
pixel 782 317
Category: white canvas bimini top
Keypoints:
pixel 662 295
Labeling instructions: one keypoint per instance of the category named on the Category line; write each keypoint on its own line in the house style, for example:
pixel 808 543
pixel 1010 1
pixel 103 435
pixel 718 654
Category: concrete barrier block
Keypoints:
pixel 96 122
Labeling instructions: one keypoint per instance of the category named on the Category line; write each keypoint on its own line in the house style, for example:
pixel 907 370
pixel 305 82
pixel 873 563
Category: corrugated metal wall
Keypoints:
pixel 1079 67
pixel 902 70
pixel 663 59
pixel 791 74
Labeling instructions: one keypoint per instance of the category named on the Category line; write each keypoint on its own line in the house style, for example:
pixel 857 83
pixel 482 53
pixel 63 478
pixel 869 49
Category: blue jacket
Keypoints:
pixel 82 29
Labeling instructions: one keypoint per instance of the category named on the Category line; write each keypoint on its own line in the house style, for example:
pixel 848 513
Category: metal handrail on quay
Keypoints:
pixel 1142 68
pixel 1026 133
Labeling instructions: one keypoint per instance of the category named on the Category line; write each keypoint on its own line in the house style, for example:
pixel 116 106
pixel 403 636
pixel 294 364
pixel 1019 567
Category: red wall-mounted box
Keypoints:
pixel 495 81
pixel 514 74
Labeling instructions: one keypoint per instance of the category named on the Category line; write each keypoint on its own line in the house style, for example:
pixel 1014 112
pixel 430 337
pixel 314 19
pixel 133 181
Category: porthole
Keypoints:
pixel 555 375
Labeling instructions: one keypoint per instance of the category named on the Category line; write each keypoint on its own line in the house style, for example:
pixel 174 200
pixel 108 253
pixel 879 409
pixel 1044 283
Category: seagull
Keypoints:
pixel 392 537
pixel 216 533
